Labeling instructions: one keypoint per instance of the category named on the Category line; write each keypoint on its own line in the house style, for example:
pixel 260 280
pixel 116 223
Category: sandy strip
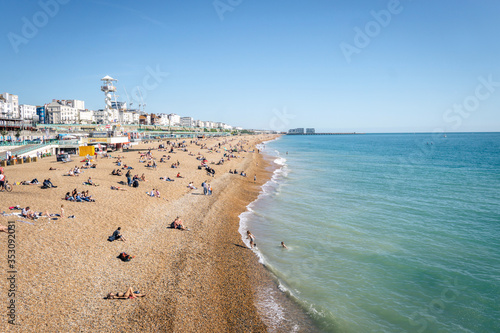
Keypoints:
pixel 197 280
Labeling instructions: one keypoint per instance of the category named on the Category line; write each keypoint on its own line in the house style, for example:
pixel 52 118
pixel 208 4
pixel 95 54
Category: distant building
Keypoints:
pixel 9 106
pixel 119 105
pixel 40 112
pixel 174 119
pixel 62 111
pixel 187 122
pixel 27 111
pixel 310 131
pixel 85 117
pixel 296 131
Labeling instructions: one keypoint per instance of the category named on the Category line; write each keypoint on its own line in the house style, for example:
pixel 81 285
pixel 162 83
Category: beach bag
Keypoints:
pixel 125 257
pixel 135 183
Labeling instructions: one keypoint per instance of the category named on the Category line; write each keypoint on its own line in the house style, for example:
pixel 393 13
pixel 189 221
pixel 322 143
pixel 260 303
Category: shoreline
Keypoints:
pixel 203 278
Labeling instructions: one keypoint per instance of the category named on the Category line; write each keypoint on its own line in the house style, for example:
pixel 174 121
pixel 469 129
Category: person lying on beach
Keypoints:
pixel 51 168
pixel 129 294
pixel 71 173
pixel 191 186
pixel 118 188
pixel 167 179
pixel 4 228
pixel 117 236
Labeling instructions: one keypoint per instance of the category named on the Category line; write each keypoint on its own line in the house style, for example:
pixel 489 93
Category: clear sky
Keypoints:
pixel 365 66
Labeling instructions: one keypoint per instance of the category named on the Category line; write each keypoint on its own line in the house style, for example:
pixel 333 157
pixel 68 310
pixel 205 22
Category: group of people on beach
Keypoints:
pixel 229 153
pixel 79 196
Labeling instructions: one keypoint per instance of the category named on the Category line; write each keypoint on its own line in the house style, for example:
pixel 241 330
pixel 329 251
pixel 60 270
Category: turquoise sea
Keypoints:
pixel 385 232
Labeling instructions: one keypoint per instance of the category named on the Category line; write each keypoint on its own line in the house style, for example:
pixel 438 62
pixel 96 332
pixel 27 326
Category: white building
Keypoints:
pixel 175 119
pixel 187 122
pixel 79 105
pixel 85 117
pixel 9 106
pixel 107 116
pixel 62 112
pixel 27 111
pixel 129 117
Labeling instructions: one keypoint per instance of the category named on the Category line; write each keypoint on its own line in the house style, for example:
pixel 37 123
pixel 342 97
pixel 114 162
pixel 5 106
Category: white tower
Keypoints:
pixel 109 92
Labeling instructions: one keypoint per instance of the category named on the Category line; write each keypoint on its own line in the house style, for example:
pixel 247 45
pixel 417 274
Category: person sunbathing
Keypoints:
pixel 167 179
pixel 191 186
pixel 143 178
pixel 130 293
pixel 4 228
pixel 178 224
pixel 179 175
pixel 118 188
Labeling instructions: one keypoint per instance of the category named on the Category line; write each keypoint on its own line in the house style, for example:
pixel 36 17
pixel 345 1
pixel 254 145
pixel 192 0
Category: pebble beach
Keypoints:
pixel 204 279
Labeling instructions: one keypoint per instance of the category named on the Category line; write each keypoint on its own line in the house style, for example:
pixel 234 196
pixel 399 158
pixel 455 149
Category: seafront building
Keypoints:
pixel 9 106
pixel 72 111
pixel 64 111
pixel 27 111
pixel 296 131
pixel 187 122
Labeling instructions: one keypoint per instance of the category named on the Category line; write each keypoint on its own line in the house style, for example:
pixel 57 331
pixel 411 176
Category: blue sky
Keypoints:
pixel 274 64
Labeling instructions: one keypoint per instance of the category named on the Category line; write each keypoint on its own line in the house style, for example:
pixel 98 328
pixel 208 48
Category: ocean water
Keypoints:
pixel 385 232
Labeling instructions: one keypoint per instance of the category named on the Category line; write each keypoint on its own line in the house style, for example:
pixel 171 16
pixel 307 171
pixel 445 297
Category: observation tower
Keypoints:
pixel 109 92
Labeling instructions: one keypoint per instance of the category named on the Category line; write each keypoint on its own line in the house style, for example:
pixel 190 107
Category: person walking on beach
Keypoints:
pixel 205 187
pixel 252 239
pixel 255 178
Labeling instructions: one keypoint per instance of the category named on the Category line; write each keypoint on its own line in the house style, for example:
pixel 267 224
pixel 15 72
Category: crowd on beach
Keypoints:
pixel 208 158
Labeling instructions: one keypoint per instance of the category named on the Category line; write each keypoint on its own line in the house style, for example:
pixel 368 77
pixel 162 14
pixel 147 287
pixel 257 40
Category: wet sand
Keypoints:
pixel 203 279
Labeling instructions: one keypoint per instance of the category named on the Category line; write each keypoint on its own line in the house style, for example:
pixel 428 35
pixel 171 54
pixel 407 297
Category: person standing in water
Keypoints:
pixel 283 245
pixel 252 239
